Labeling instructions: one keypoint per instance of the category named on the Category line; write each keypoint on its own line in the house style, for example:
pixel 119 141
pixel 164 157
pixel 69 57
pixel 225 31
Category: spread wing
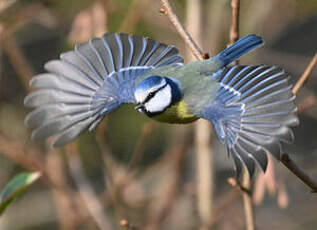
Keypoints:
pixel 253 113
pixel 88 83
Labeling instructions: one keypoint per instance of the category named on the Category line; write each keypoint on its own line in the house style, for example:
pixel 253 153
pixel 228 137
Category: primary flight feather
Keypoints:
pixel 251 107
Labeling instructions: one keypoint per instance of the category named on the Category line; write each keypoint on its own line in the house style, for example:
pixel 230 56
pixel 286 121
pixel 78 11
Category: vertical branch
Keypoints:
pixel 247 201
pixel 234 30
pixel 204 156
pixel 246 180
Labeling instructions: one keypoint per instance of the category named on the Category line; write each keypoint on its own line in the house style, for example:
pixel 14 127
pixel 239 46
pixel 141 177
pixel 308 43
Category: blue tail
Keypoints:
pixel 240 48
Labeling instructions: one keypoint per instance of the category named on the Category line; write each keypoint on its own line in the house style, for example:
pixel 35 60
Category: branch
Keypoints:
pixel 290 164
pixel 245 187
pixel 17 58
pixel 139 149
pixel 4 5
pixel 303 79
pixel 127 225
pixel 247 201
pixel 204 171
pixel 236 184
pixel 86 191
pixel 285 159
pixel 234 30
pixel 181 30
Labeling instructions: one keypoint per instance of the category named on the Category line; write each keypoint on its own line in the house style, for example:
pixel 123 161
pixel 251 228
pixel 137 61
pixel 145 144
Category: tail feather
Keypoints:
pixel 238 49
pixel 252 113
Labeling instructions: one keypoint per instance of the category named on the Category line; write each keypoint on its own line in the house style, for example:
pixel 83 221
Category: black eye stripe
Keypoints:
pixel 152 94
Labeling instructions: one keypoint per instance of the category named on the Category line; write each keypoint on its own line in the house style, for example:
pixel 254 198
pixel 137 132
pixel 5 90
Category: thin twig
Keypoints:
pixel 247 201
pixel 127 225
pixel 234 30
pixel 290 164
pixel 236 184
pixel 32 160
pixel 181 30
pixel 4 5
pixel 303 79
pixel 139 149
pixel 245 190
pixel 285 159
pixel 85 189
pixel 245 187
pixel 27 158
pixel 204 171
pixel 17 58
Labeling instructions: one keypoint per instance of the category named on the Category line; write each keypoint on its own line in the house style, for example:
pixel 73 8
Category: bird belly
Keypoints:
pixel 178 113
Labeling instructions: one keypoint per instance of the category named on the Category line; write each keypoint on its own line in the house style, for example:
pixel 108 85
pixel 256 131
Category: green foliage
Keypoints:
pixel 16 187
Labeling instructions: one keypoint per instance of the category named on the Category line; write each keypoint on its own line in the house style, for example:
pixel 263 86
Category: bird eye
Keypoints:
pixel 151 94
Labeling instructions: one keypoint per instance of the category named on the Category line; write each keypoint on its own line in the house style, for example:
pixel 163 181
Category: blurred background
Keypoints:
pixel 133 173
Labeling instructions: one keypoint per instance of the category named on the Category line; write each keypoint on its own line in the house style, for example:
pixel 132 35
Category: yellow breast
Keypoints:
pixel 178 113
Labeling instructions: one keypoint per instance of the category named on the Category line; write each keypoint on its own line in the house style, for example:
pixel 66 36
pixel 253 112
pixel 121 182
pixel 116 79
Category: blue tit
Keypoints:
pixel 250 106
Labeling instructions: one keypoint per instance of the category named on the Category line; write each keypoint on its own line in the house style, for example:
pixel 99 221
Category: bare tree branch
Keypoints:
pixel 245 185
pixel 290 164
pixel 139 149
pixel 247 201
pixel 204 171
pixel 285 159
pixel 303 79
pixel 89 197
pixel 181 30
pixel 17 58
pixel 234 30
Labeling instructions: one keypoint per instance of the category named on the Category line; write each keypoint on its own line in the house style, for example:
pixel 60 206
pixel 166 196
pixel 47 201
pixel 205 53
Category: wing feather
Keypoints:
pixel 253 113
pixel 88 83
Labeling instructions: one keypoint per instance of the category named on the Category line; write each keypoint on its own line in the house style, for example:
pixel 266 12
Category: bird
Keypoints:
pixel 250 106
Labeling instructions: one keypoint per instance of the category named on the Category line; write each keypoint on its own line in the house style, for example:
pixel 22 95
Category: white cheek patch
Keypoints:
pixel 140 95
pixel 143 90
pixel 160 101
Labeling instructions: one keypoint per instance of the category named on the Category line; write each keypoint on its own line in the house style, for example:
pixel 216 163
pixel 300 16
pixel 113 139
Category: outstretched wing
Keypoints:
pixel 252 112
pixel 90 82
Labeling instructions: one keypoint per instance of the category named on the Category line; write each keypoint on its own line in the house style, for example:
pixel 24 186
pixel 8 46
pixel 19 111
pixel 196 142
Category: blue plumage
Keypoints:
pixel 252 112
pixel 251 107
pixel 240 48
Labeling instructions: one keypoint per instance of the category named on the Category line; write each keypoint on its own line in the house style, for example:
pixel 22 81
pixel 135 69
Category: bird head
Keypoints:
pixel 155 94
